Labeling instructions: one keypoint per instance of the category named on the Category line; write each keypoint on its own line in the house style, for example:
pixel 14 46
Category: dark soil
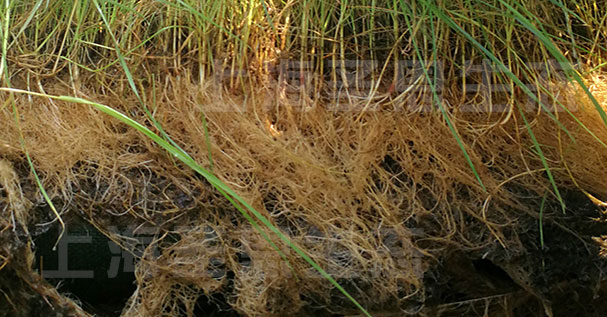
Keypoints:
pixel 562 276
pixel 565 276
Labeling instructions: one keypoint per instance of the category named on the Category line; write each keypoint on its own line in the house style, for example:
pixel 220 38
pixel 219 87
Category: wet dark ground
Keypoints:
pixel 565 275
pixel 110 269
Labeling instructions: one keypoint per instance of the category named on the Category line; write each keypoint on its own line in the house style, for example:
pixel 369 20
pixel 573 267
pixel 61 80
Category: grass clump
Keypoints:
pixel 364 140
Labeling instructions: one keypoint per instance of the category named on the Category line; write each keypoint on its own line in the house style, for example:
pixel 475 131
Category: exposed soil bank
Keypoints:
pixel 563 277
pixel 384 200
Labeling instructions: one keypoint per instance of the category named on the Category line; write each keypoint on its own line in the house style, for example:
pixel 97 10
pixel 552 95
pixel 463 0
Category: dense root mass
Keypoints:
pixel 400 144
pixel 382 199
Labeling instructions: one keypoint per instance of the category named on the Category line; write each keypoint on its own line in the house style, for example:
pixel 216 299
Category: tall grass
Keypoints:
pixel 94 37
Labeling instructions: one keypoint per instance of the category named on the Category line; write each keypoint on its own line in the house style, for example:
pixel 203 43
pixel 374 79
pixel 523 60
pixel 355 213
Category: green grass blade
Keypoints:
pixel 520 84
pixel 5 74
pixel 200 15
pixel 130 79
pixel 27 21
pixel 212 179
pixel 565 64
pixel 432 83
pixel 445 18
pixel 538 148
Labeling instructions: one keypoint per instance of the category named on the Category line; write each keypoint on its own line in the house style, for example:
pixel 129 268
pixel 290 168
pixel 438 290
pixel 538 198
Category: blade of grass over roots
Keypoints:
pixel 435 97
pixel 572 74
pixel 520 84
pixel 540 153
pixel 133 87
pixel 576 119
pixel 5 74
pixel 259 229
pixel 224 189
pixel 41 187
pixel 130 80
pixel 451 23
